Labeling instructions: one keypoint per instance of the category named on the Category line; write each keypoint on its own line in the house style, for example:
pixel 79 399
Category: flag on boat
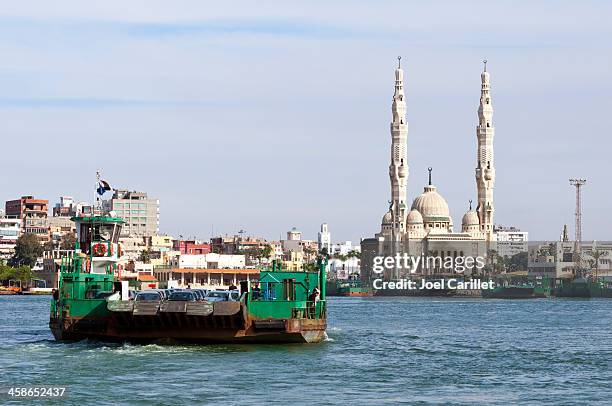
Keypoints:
pixel 103 187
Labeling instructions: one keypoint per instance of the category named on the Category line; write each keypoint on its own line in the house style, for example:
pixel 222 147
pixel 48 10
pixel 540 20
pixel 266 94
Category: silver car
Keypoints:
pixel 223 296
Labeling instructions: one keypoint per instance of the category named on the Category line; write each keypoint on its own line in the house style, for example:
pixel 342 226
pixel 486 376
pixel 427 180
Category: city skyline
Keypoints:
pixel 280 121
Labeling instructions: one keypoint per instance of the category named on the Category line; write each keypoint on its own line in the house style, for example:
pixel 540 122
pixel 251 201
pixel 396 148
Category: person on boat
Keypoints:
pixel 313 298
pixel 233 287
pixel 256 291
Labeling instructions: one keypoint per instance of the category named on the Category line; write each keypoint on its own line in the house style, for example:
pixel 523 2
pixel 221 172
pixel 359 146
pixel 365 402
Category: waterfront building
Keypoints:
pixel 207 261
pixel 277 249
pixel 344 268
pixel 33 214
pixel 253 248
pixel 10 230
pixel 344 248
pixel 65 207
pixel 140 212
pixel 235 244
pixel 203 278
pixel 160 243
pixel 427 226
pixel 555 259
pixel 147 281
pixel 51 264
pixel 324 238
pixel 511 241
pixel 132 247
pixel 224 244
pixel 294 234
pixel 193 247
pixel 293 260
pixel 60 227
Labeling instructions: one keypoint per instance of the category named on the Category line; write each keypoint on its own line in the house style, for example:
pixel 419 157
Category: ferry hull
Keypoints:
pixel 362 293
pixel 180 328
pixel 510 292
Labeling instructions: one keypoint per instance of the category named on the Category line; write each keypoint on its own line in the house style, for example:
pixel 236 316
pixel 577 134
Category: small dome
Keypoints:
pixel 414 217
pixel 387 218
pixel 470 219
pixel 431 205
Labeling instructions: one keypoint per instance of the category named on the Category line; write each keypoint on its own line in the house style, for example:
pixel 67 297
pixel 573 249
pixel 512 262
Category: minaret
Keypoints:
pixel 398 169
pixel 485 169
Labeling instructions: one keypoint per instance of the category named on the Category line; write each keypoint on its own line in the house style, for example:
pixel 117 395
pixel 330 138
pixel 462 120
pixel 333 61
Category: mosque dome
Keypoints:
pixel 414 217
pixel 431 205
pixel 387 218
pixel 470 219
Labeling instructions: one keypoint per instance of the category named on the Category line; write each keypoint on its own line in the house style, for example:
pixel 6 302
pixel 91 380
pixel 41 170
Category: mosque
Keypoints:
pixel 427 227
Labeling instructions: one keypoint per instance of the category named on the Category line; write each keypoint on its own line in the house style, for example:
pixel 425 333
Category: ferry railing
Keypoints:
pixel 313 310
pixel 54 309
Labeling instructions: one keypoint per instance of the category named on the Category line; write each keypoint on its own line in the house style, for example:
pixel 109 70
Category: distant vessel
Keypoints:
pixel 510 292
pixel 583 287
pixel 92 304
pixel 351 288
pixel 573 287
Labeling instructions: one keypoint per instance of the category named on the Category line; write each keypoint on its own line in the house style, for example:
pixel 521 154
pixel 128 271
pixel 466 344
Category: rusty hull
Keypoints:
pixel 229 322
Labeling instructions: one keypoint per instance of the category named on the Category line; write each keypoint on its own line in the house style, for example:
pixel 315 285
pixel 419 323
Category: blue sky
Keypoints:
pixel 263 116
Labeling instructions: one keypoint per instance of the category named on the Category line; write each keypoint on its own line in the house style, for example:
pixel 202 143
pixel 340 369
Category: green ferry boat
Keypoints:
pixel 351 288
pixel 510 291
pixel 91 303
pixel 520 288
pixel 584 287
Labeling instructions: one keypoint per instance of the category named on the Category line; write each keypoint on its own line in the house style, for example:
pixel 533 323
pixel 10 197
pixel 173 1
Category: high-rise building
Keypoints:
pixel 324 238
pixel 140 212
pixel 33 214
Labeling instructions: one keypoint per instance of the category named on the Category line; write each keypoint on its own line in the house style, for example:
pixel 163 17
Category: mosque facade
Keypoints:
pixel 426 226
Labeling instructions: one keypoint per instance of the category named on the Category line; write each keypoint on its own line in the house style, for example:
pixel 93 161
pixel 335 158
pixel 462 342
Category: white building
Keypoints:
pixel 10 230
pixel 208 261
pixel 324 238
pixel 294 235
pixel 511 241
pixel 344 269
pixel 344 248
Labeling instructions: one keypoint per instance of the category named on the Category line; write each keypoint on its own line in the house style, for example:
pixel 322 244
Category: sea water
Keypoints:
pixel 377 351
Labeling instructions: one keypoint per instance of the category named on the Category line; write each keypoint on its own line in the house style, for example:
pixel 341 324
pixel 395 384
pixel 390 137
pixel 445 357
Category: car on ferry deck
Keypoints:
pixel 148 295
pixel 223 296
pixel 199 296
pixel 183 295
pixel 201 293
